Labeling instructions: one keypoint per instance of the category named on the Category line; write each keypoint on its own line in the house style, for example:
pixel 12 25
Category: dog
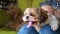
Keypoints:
pixel 37 17
pixel 52 11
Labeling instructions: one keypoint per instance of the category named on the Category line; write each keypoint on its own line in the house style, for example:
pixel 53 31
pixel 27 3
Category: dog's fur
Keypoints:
pixel 38 14
pixel 51 10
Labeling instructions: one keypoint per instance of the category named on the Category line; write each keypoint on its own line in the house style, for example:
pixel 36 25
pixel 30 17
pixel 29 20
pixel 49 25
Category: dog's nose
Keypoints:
pixel 27 17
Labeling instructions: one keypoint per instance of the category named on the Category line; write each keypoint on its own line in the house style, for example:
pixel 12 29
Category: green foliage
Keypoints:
pixel 4 18
pixel 23 4
pixel 36 3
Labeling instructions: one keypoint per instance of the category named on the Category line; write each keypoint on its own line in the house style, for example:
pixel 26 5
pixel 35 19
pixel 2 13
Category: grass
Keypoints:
pixel 4 18
pixel 7 31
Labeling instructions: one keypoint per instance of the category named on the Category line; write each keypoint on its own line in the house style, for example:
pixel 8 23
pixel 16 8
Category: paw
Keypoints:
pixel 54 28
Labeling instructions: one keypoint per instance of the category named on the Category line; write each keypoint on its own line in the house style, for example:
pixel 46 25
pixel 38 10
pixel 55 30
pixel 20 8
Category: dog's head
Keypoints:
pixel 34 15
pixel 31 14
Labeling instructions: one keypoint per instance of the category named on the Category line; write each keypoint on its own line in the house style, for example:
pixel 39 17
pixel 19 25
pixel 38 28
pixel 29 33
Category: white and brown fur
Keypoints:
pixel 47 18
pixel 52 10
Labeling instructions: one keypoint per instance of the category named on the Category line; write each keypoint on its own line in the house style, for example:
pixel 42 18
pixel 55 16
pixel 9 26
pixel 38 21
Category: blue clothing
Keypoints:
pixel 25 30
pixel 44 30
pixel 54 3
pixel 47 30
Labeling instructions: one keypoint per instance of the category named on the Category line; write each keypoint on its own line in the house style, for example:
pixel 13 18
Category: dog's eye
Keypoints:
pixel 31 14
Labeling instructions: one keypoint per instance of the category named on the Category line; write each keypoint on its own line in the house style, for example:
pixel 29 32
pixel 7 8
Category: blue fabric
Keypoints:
pixel 25 30
pixel 44 30
pixel 47 30
pixel 52 3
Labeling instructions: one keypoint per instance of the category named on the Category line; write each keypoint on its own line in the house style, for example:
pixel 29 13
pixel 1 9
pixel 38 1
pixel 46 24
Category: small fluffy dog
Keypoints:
pixel 37 17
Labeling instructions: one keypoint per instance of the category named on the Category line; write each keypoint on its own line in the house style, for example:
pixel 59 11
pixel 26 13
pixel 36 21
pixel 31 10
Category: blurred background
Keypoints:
pixel 11 12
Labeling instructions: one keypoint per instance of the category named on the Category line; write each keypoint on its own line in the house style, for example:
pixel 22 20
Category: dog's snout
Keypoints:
pixel 27 17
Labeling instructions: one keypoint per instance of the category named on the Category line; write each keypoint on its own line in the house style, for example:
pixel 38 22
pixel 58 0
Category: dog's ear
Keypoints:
pixel 43 15
pixel 49 9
